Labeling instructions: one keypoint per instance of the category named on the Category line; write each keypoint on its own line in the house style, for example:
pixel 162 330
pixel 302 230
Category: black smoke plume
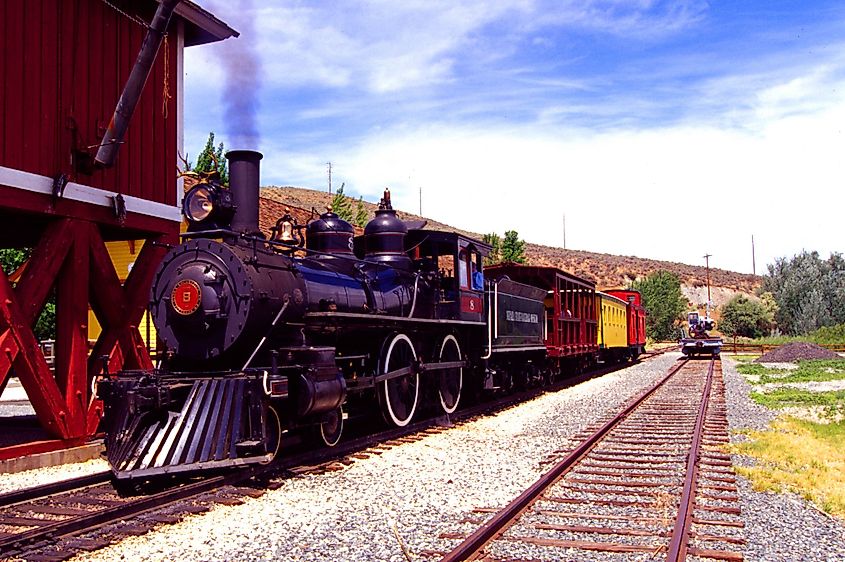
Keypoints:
pixel 243 75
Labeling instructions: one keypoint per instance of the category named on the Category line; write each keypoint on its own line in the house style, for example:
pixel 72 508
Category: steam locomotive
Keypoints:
pixel 293 333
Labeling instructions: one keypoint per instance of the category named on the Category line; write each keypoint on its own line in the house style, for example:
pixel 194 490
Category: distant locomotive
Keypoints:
pixel 267 335
pixel 699 341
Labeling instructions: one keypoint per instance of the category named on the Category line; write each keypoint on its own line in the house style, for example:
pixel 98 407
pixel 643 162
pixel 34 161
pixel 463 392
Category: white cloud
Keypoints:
pixel 697 149
pixel 672 193
pixel 387 46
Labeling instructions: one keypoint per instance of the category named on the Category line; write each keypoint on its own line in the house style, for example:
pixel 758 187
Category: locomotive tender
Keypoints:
pixel 267 335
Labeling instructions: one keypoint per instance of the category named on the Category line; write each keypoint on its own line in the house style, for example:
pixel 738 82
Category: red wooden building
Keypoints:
pixel 63 67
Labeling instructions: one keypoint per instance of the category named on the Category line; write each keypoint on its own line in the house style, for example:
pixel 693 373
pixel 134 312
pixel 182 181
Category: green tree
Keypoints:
pixel 742 316
pixel 513 249
pixel 495 242
pixel 362 217
pixel 12 258
pixel 664 303
pixel 208 156
pixel 342 205
pixel 809 291
pixel 45 327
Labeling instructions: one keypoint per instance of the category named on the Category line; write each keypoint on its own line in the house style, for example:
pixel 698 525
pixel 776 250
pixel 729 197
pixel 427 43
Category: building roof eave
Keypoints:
pixel 203 26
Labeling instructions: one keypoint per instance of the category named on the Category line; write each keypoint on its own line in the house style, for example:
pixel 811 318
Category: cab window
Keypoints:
pixel 463 269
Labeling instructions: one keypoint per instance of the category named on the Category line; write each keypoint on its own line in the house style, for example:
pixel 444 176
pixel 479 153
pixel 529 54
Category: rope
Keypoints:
pixel 165 94
pixel 136 19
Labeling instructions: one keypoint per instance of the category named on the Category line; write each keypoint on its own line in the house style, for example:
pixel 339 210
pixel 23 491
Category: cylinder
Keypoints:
pixel 244 177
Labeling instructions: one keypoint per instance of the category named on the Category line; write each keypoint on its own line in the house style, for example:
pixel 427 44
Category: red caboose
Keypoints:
pixel 636 319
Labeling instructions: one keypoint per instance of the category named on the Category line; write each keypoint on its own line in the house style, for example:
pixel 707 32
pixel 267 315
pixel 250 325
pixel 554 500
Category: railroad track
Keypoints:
pixel 55 521
pixel 650 481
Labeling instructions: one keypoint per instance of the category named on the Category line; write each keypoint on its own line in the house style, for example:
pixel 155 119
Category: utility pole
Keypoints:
pixel 707 261
pixel 329 164
pixel 420 200
pixel 564 231
pixel 753 257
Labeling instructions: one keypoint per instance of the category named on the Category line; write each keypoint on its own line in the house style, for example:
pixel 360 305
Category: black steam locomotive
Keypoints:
pixel 292 333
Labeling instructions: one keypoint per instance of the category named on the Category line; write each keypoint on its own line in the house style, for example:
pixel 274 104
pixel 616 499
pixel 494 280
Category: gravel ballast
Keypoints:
pixel 415 491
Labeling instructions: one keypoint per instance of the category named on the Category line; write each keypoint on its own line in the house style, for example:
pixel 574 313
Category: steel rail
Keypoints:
pixel 53 488
pixel 680 534
pixel 497 525
pixel 102 517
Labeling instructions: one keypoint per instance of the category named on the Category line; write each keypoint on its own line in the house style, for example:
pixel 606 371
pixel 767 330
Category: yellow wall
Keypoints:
pixel 123 256
pixel 613 323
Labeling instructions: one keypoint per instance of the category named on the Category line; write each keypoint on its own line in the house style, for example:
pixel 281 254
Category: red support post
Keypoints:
pixel 72 328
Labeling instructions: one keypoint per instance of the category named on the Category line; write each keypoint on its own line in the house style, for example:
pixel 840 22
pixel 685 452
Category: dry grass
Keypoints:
pixel 801 457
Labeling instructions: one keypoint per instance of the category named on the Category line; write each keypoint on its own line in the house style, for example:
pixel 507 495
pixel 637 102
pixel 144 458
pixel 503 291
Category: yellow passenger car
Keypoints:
pixel 613 327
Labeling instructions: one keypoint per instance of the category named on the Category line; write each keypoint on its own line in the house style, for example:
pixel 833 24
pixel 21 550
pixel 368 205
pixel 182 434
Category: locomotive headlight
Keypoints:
pixel 198 204
pixel 208 206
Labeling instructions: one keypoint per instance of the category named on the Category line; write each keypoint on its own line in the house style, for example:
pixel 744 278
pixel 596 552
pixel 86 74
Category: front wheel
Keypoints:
pixel 273 434
pixel 331 428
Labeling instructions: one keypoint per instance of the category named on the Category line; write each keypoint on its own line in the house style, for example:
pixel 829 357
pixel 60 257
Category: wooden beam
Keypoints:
pixel 8 351
pixel 44 264
pixel 31 367
pixel 120 309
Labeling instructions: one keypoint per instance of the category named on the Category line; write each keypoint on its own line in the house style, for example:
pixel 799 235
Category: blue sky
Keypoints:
pixel 664 130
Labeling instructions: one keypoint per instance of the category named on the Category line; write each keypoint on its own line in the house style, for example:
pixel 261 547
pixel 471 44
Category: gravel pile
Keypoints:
pixel 779 527
pixel 411 493
pixel 796 351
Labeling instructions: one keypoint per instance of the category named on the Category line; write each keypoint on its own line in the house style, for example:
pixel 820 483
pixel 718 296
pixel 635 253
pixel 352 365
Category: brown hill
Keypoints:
pixel 608 271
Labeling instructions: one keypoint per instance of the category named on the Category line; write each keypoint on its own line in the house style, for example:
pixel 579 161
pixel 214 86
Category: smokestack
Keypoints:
pixel 107 152
pixel 244 177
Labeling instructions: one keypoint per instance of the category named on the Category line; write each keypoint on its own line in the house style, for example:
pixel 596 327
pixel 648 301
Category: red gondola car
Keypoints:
pixel 571 327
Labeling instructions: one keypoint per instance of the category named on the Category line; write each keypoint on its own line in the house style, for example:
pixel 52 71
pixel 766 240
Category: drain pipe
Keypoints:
pixel 107 153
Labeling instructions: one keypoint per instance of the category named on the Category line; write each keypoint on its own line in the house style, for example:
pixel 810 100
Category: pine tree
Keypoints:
pixel 361 214
pixel 206 158
pixel 342 205
pixel 513 249
pixel 495 253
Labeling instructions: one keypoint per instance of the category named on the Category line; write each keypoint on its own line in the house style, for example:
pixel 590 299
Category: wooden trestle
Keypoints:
pixel 71 257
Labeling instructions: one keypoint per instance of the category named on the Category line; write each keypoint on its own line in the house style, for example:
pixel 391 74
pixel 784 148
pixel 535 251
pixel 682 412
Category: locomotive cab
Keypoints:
pixel 455 264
